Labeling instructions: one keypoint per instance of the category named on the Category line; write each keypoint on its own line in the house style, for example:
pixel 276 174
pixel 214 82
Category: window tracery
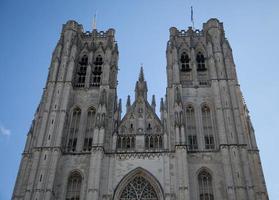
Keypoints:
pixel 126 142
pixel 153 141
pixel 191 128
pixel 73 130
pixel 185 62
pixel 74 186
pixel 208 128
pixel 81 71
pixel 205 186
pixel 139 189
pixel 97 71
pixel 200 62
pixel 88 139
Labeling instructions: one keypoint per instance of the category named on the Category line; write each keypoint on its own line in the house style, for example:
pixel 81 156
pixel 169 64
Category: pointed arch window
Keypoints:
pixel 74 186
pixel 153 141
pixel 126 142
pixel 81 71
pixel 73 130
pixel 88 139
pixel 97 71
pixel 191 128
pixel 209 140
pixel 200 62
pixel 185 62
pixel 139 189
pixel 205 186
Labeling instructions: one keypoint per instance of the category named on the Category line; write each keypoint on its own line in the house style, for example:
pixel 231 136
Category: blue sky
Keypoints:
pixel 30 30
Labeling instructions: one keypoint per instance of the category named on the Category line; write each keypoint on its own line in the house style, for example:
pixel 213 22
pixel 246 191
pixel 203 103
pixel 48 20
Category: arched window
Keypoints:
pixel 88 139
pixel 153 141
pixel 185 62
pixel 139 189
pixel 205 186
pixel 200 62
pixel 74 186
pixel 191 128
pixel 97 71
pixel 207 128
pixel 73 130
pixel 126 142
pixel 81 72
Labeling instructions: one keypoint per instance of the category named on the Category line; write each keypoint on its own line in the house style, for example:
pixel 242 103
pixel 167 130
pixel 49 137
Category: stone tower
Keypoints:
pixel 202 147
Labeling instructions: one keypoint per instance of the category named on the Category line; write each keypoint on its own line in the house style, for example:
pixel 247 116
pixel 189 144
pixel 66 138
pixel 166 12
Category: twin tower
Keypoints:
pixel 201 147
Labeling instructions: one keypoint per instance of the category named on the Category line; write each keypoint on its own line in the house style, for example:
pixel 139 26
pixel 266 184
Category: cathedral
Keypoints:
pixel 202 145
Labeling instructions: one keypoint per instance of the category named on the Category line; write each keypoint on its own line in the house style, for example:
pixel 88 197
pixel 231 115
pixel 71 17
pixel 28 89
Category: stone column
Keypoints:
pixel 95 173
pixel 183 178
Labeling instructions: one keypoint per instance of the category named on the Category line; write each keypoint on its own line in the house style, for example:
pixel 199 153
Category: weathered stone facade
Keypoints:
pixel 202 147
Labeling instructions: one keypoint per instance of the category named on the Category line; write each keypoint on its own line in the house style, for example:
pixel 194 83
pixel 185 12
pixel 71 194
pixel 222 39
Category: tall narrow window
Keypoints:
pixel 208 128
pixel 185 62
pixel 88 139
pixel 191 128
pixel 74 186
pixel 205 186
pixel 73 130
pixel 81 72
pixel 97 71
pixel 200 62
pixel 153 141
pixel 126 142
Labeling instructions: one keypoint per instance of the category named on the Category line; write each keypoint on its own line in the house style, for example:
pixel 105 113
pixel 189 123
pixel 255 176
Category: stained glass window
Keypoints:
pixel 139 189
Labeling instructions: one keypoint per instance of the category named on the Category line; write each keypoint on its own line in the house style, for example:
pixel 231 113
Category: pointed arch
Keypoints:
pixel 88 139
pixel 208 129
pixel 205 183
pixel 191 130
pixel 97 70
pixel 81 69
pixel 147 186
pixel 73 129
pixel 74 185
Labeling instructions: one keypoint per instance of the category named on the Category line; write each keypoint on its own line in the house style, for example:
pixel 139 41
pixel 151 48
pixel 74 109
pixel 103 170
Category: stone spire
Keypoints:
pixel 162 107
pixel 128 104
pixel 141 86
pixel 120 106
pixel 153 103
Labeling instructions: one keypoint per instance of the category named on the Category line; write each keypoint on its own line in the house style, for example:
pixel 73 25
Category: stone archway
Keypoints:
pixel 138 185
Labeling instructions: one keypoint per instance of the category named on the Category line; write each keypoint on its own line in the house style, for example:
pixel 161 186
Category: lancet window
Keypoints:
pixel 74 186
pixel 200 62
pixel 185 62
pixel 88 139
pixel 191 129
pixel 97 71
pixel 126 142
pixel 153 141
pixel 208 128
pixel 205 186
pixel 139 189
pixel 81 71
pixel 73 130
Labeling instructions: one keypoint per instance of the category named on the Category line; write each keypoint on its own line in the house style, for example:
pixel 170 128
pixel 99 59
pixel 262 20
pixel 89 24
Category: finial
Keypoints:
pixel 141 76
pixel 95 22
pixel 192 18
pixel 120 105
pixel 128 104
pixel 128 101
pixel 162 105
pixel 153 103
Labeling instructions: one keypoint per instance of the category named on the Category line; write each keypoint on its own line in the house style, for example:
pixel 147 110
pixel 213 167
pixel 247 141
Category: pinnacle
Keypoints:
pixel 141 75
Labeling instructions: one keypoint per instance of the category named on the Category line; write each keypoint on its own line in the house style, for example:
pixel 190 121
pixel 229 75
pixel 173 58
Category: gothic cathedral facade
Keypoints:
pixel 201 147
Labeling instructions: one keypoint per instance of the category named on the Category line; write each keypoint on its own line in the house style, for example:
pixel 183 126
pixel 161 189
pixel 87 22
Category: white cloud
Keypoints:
pixel 4 130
